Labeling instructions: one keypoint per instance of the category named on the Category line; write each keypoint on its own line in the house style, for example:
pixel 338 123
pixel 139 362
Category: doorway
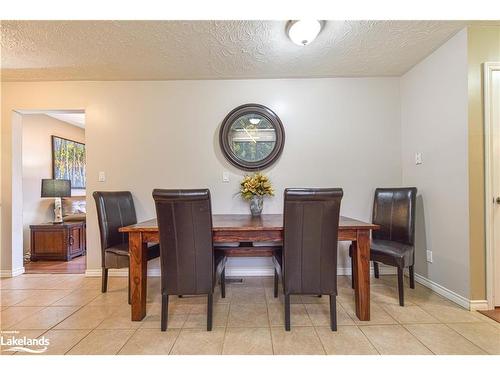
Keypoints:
pixel 492 173
pixel 52 149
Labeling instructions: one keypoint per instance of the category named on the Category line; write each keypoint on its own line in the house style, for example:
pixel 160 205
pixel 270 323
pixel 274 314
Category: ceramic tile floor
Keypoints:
pixel 72 313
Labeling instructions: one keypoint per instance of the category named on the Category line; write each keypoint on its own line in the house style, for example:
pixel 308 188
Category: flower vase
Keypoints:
pixel 256 205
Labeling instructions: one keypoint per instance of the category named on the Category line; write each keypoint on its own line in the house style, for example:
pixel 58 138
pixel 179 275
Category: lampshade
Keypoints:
pixel 56 188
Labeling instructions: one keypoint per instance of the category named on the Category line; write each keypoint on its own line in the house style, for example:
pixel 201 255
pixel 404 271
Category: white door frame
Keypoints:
pixel 490 193
pixel 17 248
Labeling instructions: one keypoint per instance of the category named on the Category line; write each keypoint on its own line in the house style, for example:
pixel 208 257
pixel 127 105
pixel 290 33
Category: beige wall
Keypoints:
pixel 37 130
pixel 483 46
pixel 339 132
pixel 434 123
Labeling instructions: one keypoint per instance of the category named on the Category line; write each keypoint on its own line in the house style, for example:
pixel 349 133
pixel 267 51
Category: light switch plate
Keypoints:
pixel 225 176
pixel 429 256
pixel 418 158
pixel 102 176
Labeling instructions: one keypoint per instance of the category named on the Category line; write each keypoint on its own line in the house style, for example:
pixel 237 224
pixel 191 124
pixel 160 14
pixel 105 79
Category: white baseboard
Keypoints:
pixel 441 290
pixel 478 304
pixel 121 272
pixel 382 270
pixel 12 273
pixel 232 271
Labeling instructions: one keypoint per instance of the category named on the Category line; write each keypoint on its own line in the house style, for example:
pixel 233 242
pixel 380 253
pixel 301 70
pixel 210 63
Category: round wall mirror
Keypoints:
pixel 252 137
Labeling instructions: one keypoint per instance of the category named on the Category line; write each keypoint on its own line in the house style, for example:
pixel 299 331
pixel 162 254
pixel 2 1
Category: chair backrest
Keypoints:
pixel 115 209
pixel 394 211
pixel 311 221
pixel 186 249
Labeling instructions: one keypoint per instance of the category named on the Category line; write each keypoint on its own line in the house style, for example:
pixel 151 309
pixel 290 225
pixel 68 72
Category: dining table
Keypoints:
pixel 247 230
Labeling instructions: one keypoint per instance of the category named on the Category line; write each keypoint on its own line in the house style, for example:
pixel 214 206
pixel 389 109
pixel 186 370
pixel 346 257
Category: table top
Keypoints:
pixel 237 222
pixel 63 224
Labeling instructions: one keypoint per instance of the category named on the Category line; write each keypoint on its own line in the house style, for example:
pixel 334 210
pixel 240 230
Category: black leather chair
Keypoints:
pixel 189 263
pixel 308 261
pixel 393 243
pixel 116 209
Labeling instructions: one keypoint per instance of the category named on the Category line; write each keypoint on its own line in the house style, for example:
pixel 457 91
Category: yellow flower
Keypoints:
pixel 257 184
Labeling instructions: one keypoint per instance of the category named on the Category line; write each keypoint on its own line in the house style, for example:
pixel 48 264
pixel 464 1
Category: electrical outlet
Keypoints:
pixel 225 176
pixel 429 256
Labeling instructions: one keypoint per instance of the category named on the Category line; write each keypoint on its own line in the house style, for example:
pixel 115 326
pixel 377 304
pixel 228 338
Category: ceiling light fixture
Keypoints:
pixel 303 32
pixel 254 120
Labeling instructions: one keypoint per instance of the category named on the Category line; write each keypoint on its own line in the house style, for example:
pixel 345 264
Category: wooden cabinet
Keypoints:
pixel 57 241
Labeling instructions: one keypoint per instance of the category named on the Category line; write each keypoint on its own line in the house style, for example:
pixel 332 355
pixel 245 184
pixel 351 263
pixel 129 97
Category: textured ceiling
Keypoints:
pixel 160 50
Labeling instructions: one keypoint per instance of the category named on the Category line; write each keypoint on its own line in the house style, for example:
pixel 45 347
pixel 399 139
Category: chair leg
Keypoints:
pixel 287 312
pixel 104 287
pixel 333 312
pixel 412 277
pixel 401 287
pixel 375 270
pixel 164 311
pixel 276 282
pixel 223 283
pixel 210 311
pixel 129 295
pixel 353 276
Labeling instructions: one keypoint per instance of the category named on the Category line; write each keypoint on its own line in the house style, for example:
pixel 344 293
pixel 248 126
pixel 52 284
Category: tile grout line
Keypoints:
pixel 319 338
pixel 225 329
pixel 269 321
pixel 17 304
pixel 420 341
pixel 454 330
pixel 175 340
pixel 126 341
pixel 224 335
pixel 74 312
pixel 41 309
pixel 180 329
pixel 79 341
pixel 370 341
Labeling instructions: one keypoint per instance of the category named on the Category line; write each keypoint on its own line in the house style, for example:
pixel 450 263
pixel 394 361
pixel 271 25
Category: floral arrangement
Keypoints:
pixel 255 185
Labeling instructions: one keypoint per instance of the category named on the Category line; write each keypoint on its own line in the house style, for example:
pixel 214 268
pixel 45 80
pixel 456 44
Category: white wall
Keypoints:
pixel 339 132
pixel 37 130
pixel 434 122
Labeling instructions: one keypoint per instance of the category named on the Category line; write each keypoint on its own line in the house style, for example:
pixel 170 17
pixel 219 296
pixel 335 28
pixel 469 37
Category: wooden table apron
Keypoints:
pixel 244 228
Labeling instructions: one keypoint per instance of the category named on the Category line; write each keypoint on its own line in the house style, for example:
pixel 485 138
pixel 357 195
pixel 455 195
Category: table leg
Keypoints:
pixel 138 275
pixel 361 259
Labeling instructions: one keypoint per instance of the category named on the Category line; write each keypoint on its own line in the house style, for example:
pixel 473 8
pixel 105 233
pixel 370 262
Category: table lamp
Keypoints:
pixel 56 189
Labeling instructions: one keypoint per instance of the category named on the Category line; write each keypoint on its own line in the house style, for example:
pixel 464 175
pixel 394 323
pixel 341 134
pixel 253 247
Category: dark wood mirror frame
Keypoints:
pixel 273 119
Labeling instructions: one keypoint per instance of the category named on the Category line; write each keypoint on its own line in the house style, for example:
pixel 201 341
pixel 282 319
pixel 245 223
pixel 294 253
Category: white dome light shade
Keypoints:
pixel 303 32
pixel 254 120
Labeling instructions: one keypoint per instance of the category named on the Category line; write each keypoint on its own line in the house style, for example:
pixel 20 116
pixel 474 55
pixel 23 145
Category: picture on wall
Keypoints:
pixel 68 161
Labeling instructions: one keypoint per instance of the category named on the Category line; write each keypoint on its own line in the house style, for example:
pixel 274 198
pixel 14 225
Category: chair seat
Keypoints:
pixel 390 252
pixel 401 253
pixel 119 249
pixel 117 255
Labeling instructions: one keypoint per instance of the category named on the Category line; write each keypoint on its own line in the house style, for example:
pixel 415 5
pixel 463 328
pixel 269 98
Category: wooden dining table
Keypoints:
pixel 247 229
